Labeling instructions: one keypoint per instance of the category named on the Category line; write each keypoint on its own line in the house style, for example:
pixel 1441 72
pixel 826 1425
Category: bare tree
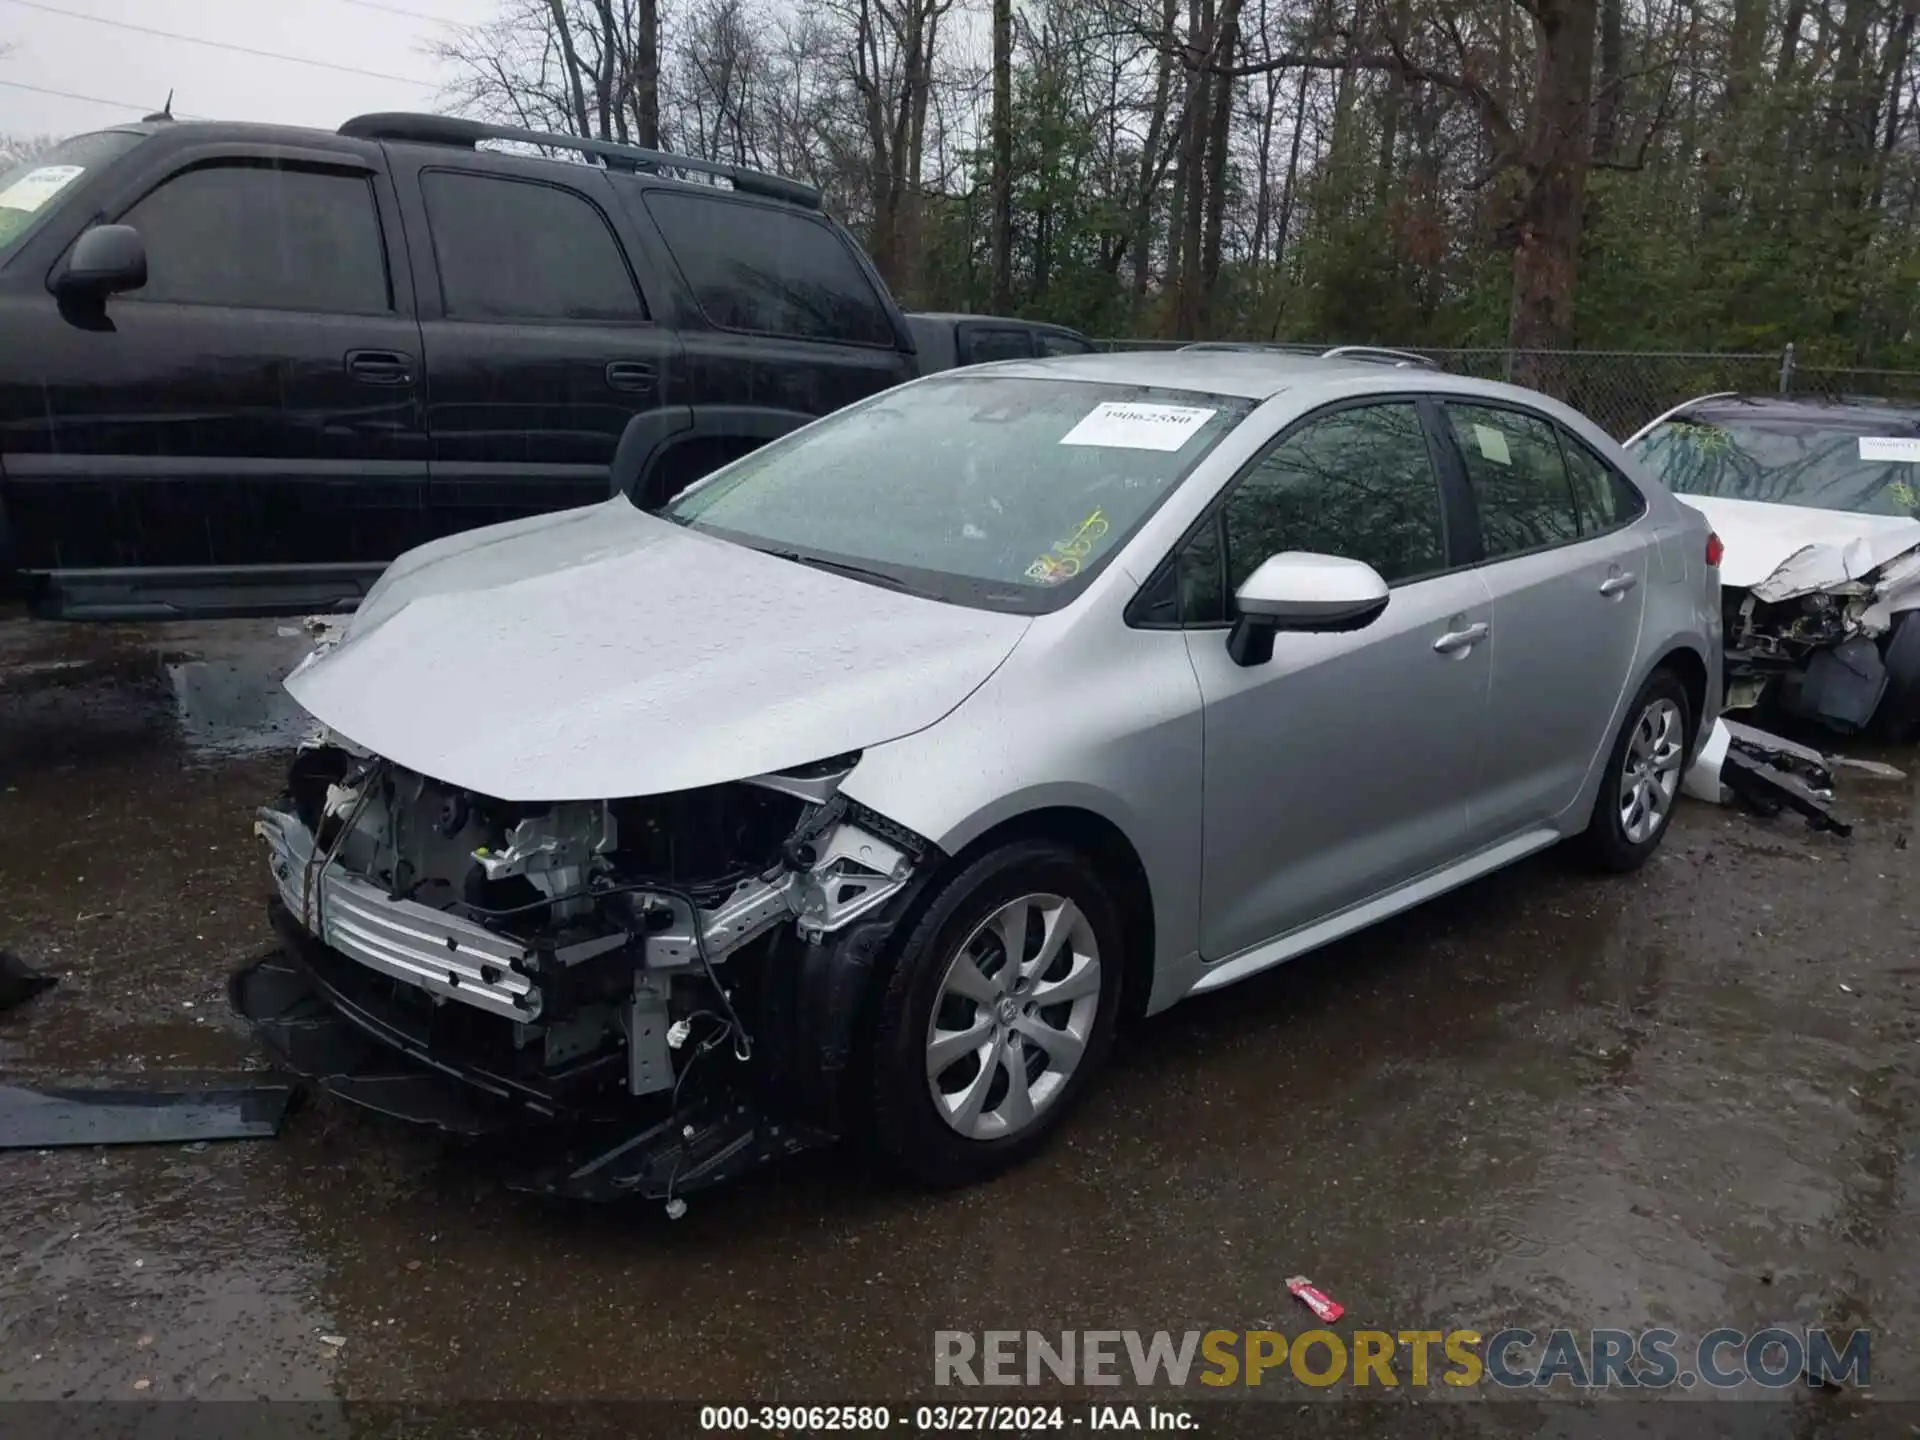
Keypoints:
pixel 1002 155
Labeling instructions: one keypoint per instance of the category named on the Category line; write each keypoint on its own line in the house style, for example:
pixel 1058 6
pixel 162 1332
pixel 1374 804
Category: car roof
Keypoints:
pixel 1812 410
pixel 1247 374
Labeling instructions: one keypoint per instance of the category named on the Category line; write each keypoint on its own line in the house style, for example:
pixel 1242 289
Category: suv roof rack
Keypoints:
pixel 455 130
pixel 1379 354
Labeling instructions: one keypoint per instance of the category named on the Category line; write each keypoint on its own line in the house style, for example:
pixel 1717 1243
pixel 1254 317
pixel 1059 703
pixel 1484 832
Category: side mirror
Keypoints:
pixel 1295 590
pixel 104 261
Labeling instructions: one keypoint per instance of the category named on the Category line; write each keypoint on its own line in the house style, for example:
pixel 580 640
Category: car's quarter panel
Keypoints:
pixel 1342 766
pixel 1086 714
pixel 206 421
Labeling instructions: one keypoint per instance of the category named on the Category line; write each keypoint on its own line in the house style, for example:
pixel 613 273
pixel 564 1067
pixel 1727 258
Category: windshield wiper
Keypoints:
pixel 820 562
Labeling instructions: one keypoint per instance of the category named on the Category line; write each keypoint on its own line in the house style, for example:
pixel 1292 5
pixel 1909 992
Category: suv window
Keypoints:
pixel 264 236
pixel 980 344
pixel 522 250
pixel 1603 494
pixel 1518 478
pixel 1053 343
pixel 770 271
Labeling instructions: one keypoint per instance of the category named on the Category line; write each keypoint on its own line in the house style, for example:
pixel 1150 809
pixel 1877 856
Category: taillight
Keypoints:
pixel 1714 551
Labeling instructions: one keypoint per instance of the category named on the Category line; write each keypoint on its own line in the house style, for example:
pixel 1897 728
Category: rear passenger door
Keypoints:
pixel 982 344
pixel 1568 574
pixel 540 342
pixel 781 318
pixel 251 418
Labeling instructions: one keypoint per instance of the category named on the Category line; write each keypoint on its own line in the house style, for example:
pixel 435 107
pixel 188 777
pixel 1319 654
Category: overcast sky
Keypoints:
pixel 131 71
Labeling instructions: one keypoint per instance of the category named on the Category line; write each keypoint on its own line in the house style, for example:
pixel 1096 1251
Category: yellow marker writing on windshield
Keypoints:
pixel 1062 562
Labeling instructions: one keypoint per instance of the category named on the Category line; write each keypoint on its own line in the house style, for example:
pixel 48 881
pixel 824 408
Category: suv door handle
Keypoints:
pixel 1618 584
pixel 630 375
pixel 379 367
pixel 1456 642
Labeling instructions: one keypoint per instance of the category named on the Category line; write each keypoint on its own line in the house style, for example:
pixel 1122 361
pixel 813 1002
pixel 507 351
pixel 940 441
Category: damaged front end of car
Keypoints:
pixel 1827 639
pixel 663 990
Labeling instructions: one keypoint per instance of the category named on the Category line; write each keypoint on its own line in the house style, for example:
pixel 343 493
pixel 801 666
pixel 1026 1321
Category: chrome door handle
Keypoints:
pixel 1455 641
pixel 1618 584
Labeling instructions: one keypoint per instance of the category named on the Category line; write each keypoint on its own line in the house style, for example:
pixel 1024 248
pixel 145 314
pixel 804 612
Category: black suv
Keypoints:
pixel 243 367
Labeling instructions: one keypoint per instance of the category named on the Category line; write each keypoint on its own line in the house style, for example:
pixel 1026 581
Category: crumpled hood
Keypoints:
pixel 600 653
pixel 1780 551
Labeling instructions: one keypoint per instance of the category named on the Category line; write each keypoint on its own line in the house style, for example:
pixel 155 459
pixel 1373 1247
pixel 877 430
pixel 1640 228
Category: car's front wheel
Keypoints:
pixel 1642 778
pixel 997 1014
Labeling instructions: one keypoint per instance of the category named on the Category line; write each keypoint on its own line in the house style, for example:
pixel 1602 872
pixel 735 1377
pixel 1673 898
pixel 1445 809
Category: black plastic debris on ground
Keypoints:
pixel 47 1118
pixel 1769 774
pixel 19 981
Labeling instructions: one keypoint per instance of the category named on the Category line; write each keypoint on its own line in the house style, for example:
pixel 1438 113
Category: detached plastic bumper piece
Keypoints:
pixel 50 1118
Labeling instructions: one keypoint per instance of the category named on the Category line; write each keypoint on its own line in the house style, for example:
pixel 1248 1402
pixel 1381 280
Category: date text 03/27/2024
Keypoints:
pixel 1016 1419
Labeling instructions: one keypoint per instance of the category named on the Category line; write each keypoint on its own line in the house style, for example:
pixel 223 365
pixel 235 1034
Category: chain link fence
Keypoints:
pixel 1621 390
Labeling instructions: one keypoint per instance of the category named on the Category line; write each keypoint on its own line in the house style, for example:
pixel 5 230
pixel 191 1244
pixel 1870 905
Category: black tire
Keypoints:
pixel 907 1130
pixel 1604 844
pixel 1896 720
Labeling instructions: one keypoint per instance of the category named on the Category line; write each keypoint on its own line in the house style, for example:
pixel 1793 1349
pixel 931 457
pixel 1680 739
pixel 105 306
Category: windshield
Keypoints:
pixel 29 188
pixel 1004 492
pixel 1861 462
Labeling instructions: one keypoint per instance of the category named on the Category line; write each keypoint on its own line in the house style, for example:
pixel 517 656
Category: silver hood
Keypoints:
pixel 600 653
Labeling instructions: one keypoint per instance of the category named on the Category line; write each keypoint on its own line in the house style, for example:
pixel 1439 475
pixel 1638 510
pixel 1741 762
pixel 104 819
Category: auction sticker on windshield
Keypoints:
pixel 1119 425
pixel 35 188
pixel 1894 448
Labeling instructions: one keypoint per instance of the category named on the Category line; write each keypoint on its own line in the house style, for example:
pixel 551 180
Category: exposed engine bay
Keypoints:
pixel 616 961
pixel 1832 652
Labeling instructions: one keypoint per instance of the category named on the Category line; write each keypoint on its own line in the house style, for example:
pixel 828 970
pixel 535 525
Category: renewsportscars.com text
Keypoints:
pixel 1511 1359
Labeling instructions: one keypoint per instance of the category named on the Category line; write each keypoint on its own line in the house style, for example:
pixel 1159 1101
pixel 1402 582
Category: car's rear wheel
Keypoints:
pixel 1642 780
pixel 997 1014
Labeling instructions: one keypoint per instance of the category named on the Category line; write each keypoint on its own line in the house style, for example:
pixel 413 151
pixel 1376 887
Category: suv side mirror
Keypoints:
pixel 104 261
pixel 1295 590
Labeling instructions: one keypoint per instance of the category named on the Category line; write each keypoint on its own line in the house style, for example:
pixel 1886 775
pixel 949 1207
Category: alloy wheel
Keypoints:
pixel 1650 778
pixel 1013 1016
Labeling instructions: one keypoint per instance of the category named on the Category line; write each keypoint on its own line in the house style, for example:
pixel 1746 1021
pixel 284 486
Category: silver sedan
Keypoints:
pixel 866 787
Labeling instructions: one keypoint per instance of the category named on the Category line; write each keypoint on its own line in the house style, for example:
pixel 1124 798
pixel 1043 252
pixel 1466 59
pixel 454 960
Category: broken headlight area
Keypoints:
pixel 1826 656
pixel 640 964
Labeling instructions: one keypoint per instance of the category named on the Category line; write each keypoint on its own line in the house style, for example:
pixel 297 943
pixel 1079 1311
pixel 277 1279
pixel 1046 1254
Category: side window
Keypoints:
pixel 1055 344
pixel 1519 480
pixel 769 271
pixel 264 237
pixel 521 250
pixel 1358 483
pixel 979 344
pixel 1605 497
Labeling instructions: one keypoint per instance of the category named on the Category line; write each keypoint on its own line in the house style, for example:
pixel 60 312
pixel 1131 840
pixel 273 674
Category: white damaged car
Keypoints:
pixel 1818 505
pixel 867 786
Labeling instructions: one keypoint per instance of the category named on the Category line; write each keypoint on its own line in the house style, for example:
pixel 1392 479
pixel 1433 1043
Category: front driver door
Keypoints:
pixel 1343 766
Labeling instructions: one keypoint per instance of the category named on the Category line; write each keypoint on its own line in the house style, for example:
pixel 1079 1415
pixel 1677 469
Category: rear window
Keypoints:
pixel 768 270
pixel 1860 461
pixel 30 188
